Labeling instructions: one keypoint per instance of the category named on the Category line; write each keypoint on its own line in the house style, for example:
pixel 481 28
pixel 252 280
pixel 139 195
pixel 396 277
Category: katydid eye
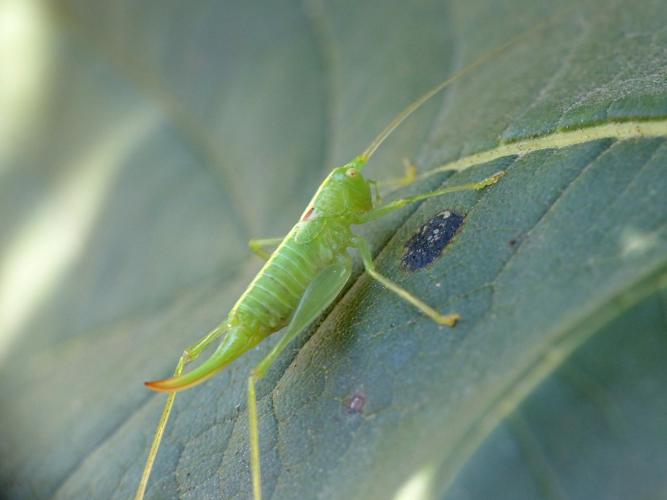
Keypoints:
pixel 351 172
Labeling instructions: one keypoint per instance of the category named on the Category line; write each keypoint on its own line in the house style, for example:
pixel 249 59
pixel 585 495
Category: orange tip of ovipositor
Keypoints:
pixel 184 381
pixel 160 385
pixel 173 384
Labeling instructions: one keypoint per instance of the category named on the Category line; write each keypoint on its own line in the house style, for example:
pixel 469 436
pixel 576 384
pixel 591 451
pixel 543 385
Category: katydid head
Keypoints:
pixel 356 187
pixel 344 193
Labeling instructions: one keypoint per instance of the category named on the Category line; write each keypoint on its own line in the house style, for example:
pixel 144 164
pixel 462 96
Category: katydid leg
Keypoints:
pixel 258 246
pixel 320 293
pixel 383 210
pixel 189 355
pixel 369 265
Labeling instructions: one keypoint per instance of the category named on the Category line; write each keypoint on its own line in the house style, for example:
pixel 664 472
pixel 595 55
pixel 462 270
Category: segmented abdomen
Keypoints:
pixel 275 292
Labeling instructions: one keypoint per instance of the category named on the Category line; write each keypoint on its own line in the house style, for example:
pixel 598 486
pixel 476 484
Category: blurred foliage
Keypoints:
pixel 143 143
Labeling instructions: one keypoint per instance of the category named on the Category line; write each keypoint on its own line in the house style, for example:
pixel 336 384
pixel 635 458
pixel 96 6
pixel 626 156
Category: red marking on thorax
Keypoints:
pixel 308 213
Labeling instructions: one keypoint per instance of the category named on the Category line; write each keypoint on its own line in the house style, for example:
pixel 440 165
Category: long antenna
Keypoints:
pixel 370 150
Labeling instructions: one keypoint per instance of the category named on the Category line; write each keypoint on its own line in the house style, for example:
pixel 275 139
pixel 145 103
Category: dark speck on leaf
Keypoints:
pixel 427 243
pixel 355 403
pixel 512 242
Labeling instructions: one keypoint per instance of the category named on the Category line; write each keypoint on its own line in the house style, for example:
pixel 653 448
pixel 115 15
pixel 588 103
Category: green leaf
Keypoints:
pixel 145 144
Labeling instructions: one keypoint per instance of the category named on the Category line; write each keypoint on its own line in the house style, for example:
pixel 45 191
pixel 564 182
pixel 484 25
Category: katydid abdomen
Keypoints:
pixel 272 297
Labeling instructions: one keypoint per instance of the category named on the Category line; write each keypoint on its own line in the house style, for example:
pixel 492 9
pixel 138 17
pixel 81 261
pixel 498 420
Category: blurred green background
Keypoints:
pixel 143 143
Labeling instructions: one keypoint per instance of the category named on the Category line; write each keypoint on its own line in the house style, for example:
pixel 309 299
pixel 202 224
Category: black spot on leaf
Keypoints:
pixel 427 244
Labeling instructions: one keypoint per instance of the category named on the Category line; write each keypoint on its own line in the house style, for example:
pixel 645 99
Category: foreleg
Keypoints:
pixel 383 210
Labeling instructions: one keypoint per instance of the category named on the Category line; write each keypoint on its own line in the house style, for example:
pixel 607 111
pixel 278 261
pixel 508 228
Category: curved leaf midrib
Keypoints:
pixel 619 130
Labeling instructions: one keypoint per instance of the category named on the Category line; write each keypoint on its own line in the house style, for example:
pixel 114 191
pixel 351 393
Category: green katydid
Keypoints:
pixel 304 275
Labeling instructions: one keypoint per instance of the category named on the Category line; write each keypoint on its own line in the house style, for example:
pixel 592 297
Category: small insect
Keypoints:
pixel 303 276
pixel 354 405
